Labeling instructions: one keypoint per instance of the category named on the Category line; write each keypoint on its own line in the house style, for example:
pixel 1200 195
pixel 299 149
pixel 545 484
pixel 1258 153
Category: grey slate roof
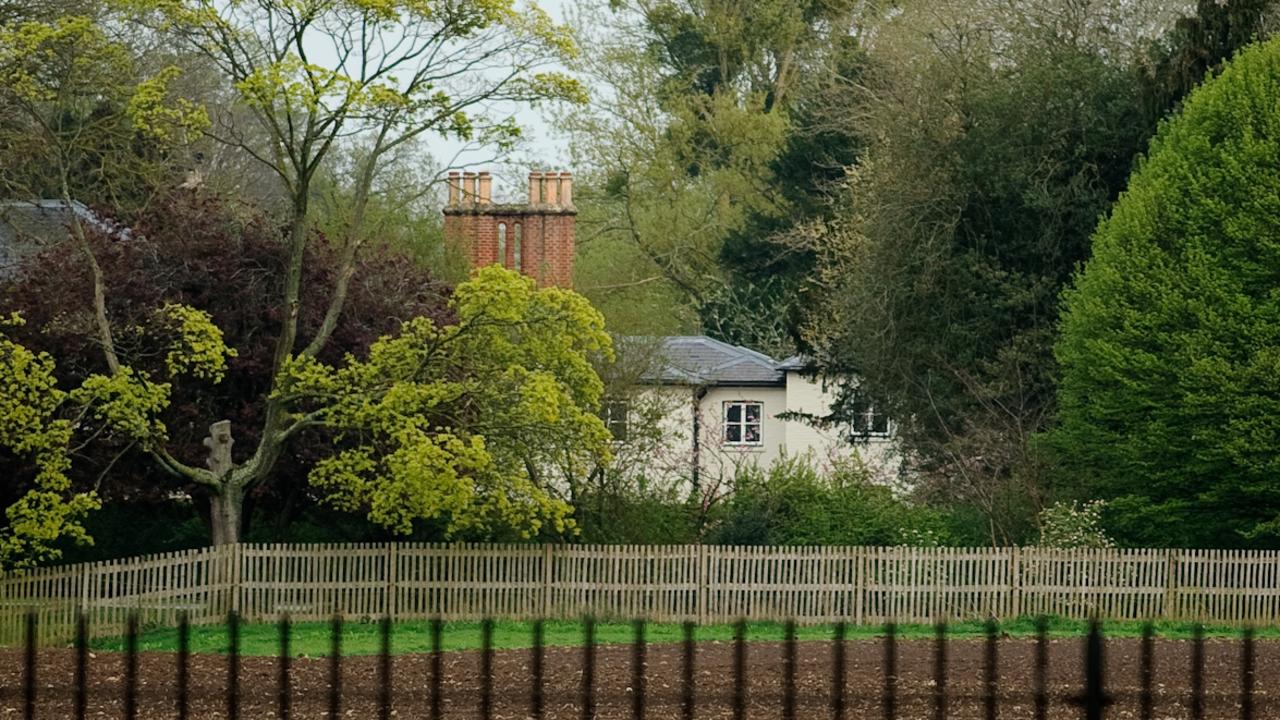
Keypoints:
pixel 28 227
pixel 700 360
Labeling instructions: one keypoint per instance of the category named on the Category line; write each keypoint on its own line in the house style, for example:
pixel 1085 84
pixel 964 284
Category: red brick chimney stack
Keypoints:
pixel 535 238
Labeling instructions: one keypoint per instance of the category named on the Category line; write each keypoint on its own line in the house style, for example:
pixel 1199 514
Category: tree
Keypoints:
pixel 1198 45
pixel 1168 391
pixel 681 145
pixel 194 248
pixel 476 423
pixel 82 117
pixel 1000 133
pixel 32 432
pixel 310 77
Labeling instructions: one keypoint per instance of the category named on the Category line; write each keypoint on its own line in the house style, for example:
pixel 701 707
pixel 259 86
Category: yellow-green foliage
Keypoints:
pixel 470 424
pixel 397 57
pixel 38 420
pixel 165 118
pixel 30 428
pixel 196 346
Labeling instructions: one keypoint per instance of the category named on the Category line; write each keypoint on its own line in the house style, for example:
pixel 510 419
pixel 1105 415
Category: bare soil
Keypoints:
pixel 714 673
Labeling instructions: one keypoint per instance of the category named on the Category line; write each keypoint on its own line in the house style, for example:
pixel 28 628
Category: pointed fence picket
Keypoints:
pixel 662 583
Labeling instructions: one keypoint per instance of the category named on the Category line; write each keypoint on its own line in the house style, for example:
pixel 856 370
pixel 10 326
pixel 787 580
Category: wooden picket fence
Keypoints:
pixel 701 583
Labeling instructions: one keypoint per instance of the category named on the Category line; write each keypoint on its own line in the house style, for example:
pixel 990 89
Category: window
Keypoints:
pixel 742 423
pixel 865 419
pixel 516 262
pixel 616 415
pixel 502 244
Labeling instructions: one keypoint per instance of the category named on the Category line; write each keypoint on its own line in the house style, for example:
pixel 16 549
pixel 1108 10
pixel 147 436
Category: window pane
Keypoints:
pixel 753 412
pixel 880 424
pixel 733 412
pixel 752 433
pixel 733 433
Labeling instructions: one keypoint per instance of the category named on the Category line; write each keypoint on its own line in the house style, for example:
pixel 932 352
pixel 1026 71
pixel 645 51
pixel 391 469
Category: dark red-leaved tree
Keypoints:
pixel 196 249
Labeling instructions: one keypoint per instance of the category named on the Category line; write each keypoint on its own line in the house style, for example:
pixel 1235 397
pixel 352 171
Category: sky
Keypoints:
pixel 544 146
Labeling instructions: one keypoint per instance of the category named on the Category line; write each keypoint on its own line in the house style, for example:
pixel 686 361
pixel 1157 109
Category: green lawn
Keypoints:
pixel 312 639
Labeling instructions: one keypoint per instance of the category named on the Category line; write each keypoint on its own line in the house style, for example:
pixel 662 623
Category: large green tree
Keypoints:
pixel 999 133
pixel 1170 389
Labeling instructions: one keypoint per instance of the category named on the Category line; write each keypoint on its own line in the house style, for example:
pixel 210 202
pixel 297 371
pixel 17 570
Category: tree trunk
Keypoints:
pixel 225 509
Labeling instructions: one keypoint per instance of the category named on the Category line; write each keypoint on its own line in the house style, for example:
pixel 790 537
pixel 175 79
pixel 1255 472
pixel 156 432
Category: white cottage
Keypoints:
pixel 702 409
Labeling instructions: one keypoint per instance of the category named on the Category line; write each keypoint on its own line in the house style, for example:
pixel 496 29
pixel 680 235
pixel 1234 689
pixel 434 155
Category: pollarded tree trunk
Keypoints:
pixel 226 509
pixel 226 506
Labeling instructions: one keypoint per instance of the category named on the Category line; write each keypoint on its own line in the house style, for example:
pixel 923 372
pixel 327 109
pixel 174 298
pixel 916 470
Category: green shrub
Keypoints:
pixel 1170 339
pixel 1074 525
pixel 791 503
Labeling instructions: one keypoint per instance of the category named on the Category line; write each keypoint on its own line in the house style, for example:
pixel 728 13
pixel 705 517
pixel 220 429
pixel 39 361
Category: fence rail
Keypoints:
pixel 698 583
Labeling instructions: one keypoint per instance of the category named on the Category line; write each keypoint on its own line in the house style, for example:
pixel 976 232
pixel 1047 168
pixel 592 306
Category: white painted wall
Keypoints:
pixel 667 456
pixel 829 445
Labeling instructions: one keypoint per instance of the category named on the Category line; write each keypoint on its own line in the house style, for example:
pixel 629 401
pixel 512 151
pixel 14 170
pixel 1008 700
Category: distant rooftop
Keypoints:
pixel 700 360
pixel 27 227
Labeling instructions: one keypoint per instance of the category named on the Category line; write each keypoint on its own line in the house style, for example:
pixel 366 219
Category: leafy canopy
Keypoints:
pixel 1170 337
pixel 472 423
pixel 38 421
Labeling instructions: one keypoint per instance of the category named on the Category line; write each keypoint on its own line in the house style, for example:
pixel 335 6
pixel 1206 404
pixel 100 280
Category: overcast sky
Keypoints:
pixel 544 146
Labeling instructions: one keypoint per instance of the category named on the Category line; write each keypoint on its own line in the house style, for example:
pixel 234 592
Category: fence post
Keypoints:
pixel 237 569
pixel 393 572
pixel 1015 580
pixel 703 587
pixel 860 584
pixel 1171 585
pixel 86 572
pixel 548 565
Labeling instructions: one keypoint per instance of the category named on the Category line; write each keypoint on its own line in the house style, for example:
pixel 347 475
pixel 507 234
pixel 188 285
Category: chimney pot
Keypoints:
pixel 455 186
pixel 535 188
pixel 468 187
pixel 485 188
pixel 553 188
pixel 566 188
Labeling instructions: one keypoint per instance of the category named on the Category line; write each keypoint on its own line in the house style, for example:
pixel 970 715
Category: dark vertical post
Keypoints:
pixel 1246 676
pixel 29 674
pixel 638 652
pixel 233 666
pixel 1042 668
pixel 992 672
pixel 486 669
pixel 789 672
pixel 588 668
pixel 1146 672
pixel 283 695
pixel 740 670
pixel 437 668
pixel 82 667
pixel 184 667
pixel 890 671
pixel 535 667
pixel 385 687
pixel 686 687
pixel 131 666
pixel 1095 701
pixel 1197 673
pixel 940 671
pixel 838 663
pixel 335 666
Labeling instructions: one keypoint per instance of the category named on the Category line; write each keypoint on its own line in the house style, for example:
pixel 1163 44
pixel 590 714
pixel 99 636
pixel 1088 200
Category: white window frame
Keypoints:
pixel 608 407
pixel 742 423
pixel 869 419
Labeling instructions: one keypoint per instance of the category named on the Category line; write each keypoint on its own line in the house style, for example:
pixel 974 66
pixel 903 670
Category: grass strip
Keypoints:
pixel 311 639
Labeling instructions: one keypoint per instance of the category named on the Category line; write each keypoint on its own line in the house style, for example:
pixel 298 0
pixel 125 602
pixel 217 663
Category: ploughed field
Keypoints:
pixel 461 681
